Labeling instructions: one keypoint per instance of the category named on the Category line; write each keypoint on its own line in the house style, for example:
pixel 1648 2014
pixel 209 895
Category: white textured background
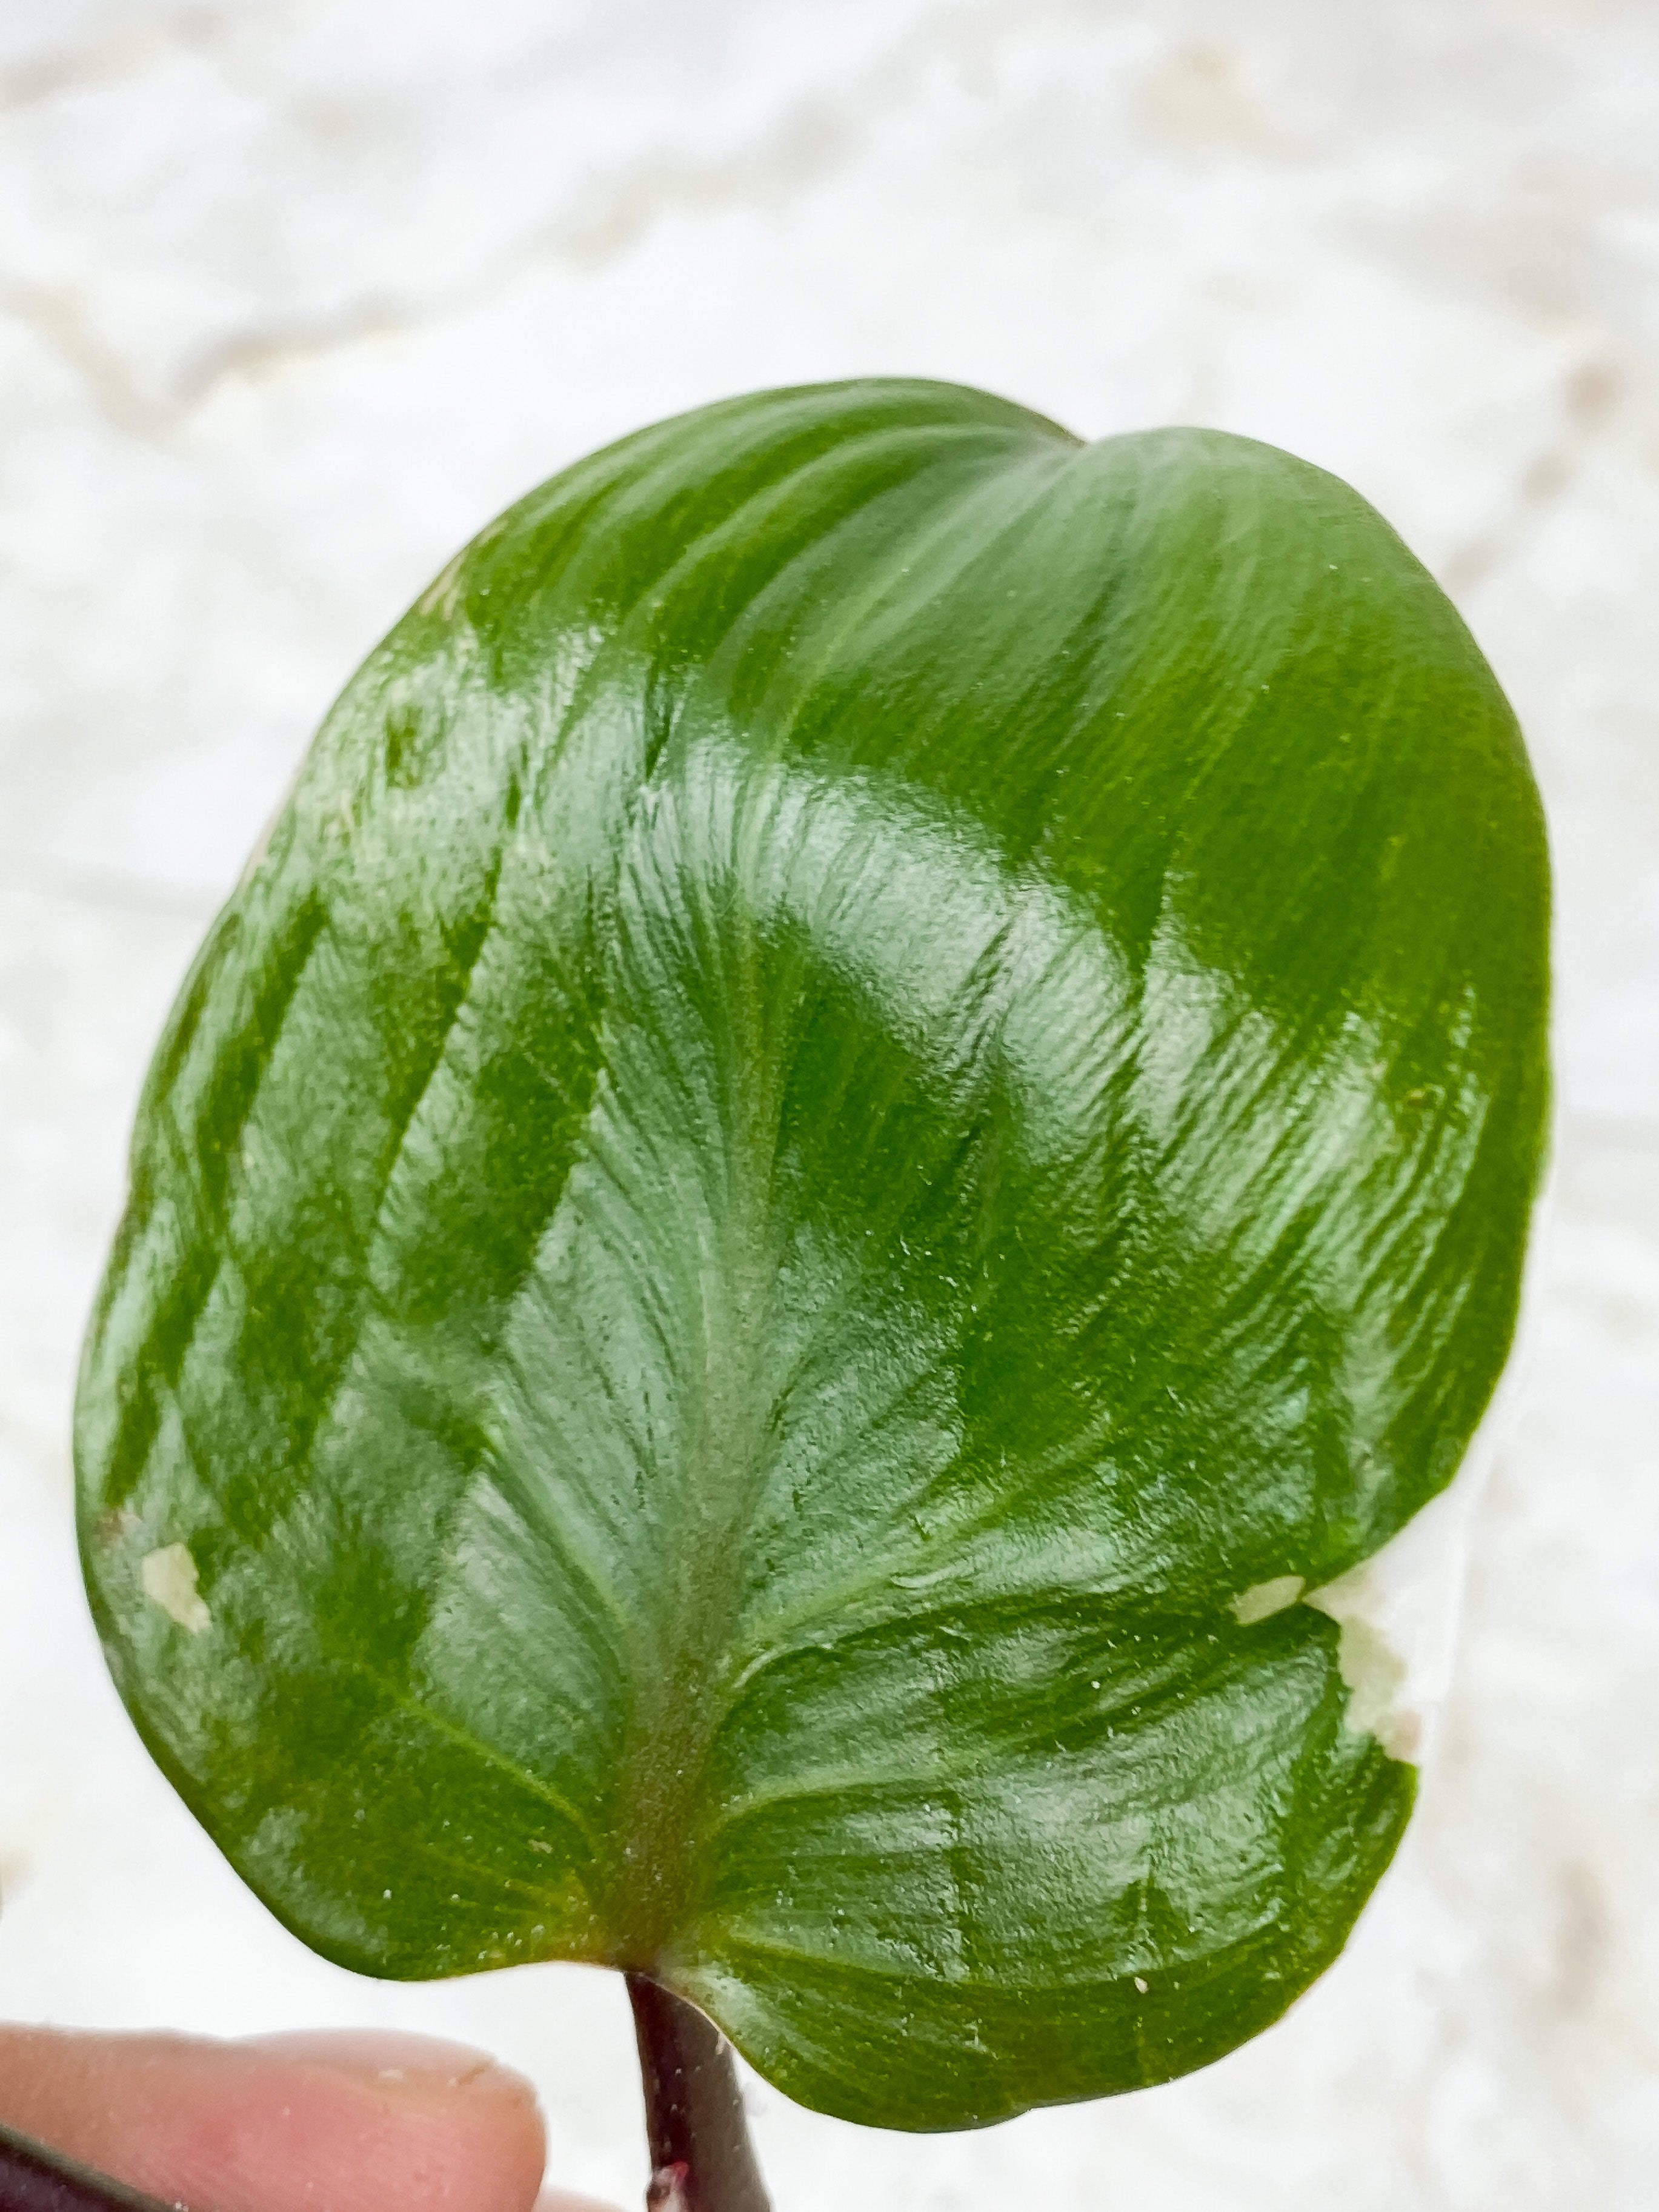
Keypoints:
pixel 294 294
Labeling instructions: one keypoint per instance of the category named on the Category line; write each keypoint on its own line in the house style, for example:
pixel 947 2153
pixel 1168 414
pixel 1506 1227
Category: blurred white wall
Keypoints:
pixel 294 294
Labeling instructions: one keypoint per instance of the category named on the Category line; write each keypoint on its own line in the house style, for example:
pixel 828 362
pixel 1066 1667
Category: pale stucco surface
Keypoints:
pixel 294 294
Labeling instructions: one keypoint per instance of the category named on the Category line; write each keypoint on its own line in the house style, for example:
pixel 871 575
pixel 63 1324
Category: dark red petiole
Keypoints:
pixel 702 2159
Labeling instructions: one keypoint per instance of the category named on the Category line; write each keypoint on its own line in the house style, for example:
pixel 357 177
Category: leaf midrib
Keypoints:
pixel 680 1691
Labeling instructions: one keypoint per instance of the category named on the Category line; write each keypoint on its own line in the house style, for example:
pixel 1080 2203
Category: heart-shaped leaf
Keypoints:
pixel 883 1084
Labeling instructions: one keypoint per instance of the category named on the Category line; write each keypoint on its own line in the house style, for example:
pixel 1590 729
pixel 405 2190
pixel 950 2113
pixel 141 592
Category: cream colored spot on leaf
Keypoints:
pixel 169 1579
pixel 1374 1675
pixel 1263 1599
pixel 442 596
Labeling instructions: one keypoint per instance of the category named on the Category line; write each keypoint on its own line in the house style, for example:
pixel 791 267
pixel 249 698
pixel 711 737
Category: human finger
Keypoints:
pixel 359 2122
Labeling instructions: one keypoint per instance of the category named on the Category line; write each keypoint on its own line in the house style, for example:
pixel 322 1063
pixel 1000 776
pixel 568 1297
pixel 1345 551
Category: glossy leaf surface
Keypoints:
pixel 880 1060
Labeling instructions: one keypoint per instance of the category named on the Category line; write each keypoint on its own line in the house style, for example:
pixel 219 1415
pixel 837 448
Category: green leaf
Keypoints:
pixel 880 1061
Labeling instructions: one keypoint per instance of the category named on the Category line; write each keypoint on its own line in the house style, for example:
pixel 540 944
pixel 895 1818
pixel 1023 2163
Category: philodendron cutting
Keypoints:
pixel 881 1091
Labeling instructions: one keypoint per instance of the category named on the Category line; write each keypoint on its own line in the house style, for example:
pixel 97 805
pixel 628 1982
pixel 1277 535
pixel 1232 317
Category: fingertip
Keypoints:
pixel 395 2063
pixel 363 2123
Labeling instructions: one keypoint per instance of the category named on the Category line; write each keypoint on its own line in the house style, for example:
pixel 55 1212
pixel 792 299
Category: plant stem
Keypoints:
pixel 701 2160
pixel 35 2179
